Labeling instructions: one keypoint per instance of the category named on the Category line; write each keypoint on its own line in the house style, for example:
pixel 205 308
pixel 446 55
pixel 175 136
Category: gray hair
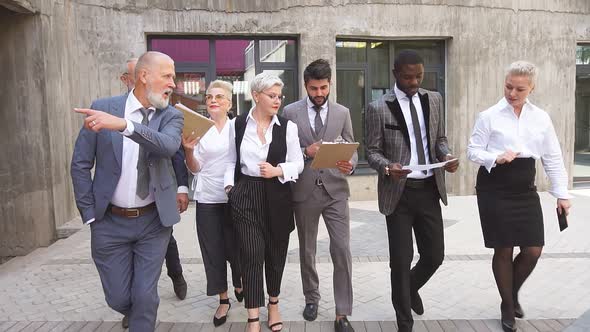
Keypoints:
pixel 125 66
pixel 227 88
pixel 147 60
pixel 523 68
pixel 265 80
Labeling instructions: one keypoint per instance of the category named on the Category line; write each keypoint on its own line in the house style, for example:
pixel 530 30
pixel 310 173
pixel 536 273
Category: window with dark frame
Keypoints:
pixel 236 59
pixel 364 74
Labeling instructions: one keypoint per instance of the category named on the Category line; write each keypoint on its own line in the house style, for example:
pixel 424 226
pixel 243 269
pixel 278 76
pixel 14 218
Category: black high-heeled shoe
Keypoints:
pixel 518 312
pixel 254 320
pixel 221 320
pixel 239 295
pixel 507 320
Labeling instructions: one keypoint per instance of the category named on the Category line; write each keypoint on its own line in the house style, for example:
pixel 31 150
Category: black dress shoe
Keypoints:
pixel 221 320
pixel 417 305
pixel 508 326
pixel 180 287
pixel 518 313
pixel 310 313
pixel 239 295
pixel 342 325
pixel 125 322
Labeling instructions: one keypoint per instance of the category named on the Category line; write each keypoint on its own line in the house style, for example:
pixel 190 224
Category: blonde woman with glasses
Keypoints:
pixel 264 158
pixel 205 158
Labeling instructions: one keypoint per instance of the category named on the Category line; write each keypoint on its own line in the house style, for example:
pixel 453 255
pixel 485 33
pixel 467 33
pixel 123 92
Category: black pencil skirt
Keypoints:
pixel 509 206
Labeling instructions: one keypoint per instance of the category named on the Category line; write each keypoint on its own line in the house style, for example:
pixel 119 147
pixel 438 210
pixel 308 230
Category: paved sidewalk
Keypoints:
pixel 60 285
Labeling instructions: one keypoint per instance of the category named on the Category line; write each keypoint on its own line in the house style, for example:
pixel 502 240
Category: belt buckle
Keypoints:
pixel 319 182
pixel 132 213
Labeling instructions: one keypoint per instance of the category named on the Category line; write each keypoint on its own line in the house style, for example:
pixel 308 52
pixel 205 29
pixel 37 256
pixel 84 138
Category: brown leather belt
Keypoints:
pixel 131 212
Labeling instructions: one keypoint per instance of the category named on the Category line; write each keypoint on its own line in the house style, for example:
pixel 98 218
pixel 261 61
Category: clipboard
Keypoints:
pixel 330 153
pixel 194 123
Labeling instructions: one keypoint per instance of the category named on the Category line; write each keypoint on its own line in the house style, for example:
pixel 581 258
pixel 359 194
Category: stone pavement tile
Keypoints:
pixel 388 326
pixel 90 327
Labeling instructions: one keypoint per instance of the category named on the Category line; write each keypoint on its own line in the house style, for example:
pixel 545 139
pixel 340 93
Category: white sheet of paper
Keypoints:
pixel 427 166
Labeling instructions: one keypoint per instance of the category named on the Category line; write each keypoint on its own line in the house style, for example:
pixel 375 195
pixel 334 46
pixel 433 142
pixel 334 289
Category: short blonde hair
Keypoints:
pixel 264 81
pixel 227 88
pixel 523 68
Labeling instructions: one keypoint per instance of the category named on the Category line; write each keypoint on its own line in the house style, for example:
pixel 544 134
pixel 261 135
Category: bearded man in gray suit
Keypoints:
pixel 130 202
pixel 406 127
pixel 323 192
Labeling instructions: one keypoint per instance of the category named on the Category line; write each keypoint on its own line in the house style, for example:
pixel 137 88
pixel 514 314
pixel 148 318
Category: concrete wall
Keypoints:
pixel 68 53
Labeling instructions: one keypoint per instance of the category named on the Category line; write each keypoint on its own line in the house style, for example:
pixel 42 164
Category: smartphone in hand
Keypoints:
pixel 562 220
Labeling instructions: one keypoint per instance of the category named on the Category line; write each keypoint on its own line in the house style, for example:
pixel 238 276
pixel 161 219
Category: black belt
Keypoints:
pixel 420 183
pixel 251 178
pixel 131 212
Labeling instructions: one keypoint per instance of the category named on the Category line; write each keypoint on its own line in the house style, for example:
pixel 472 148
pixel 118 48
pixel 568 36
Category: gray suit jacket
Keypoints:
pixel 387 141
pixel 338 123
pixel 104 150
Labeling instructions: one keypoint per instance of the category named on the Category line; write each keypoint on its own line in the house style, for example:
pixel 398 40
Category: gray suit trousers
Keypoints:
pixel 336 217
pixel 129 253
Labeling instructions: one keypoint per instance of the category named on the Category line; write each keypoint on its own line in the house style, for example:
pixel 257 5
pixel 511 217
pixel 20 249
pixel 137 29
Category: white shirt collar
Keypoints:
pixel 310 105
pixel 275 119
pixel 504 105
pixel 399 94
pixel 133 103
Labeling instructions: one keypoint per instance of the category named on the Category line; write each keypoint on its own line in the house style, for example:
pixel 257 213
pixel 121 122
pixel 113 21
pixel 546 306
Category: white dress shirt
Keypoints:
pixel 213 155
pixel 498 129
pixel 311 112
pixel 253 152
pixel 124 195
pixel 404 103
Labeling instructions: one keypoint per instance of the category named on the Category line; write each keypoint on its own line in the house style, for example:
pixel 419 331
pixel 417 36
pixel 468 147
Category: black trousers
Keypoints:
pixel 418 209
pixel 173 259
pixel 217 240
pixel 258 249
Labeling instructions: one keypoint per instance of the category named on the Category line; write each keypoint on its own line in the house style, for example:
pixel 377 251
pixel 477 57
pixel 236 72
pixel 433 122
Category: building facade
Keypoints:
pixel 56 55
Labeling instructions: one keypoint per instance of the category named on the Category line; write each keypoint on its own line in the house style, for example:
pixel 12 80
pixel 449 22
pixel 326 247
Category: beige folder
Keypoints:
pixel 330 153
pixel 194 123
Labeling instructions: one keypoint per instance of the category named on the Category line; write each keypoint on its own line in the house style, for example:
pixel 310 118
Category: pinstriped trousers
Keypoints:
pixel 258 250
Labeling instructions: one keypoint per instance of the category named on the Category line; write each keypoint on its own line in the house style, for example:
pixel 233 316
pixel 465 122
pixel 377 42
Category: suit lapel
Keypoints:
pixel 396 110
pixel 118 109
pixel 425 102
pixel 331 123
pixel 303 121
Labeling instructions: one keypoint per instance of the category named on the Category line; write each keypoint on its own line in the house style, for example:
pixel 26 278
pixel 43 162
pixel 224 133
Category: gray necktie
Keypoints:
pixel 317 123
pixel 143 175
pixel 417 134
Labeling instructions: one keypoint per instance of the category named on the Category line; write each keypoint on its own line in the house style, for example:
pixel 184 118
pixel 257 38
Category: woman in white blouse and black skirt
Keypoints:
pixel 507 139
pixel 265 156
pixel 206 158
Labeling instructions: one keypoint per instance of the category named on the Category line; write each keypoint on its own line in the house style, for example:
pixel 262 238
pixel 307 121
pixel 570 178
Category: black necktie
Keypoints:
pixel 417 134
pixel 143 175
pixel 317 123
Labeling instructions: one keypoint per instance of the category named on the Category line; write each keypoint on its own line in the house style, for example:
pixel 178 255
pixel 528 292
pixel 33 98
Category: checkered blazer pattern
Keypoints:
pixel 387 141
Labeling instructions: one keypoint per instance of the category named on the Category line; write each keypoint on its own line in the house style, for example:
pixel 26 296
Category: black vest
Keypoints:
pixel 278 195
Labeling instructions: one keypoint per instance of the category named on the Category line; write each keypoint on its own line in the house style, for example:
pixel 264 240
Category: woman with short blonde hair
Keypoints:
pixel 506 141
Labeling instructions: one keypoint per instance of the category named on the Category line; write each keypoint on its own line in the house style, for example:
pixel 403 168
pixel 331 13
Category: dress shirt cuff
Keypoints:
pixel 130 128
pixel 89 221
pixel 228 178
pixel 489 161
pixel 289 173
pixel 560 193
pixel 182 190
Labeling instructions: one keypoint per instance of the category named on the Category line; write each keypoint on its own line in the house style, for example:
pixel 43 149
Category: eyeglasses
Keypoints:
pixel 218 98
pixel 279 98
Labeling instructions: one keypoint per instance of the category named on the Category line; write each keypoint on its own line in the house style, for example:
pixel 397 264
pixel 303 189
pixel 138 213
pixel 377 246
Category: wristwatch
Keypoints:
pixel 386 172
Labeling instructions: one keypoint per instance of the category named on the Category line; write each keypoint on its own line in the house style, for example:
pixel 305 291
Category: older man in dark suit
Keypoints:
pixel 406 127
pixel 130 201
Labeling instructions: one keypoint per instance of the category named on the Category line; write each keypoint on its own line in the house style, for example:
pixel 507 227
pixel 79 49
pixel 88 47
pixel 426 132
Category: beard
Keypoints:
pixel 156 99
pixel 318 101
